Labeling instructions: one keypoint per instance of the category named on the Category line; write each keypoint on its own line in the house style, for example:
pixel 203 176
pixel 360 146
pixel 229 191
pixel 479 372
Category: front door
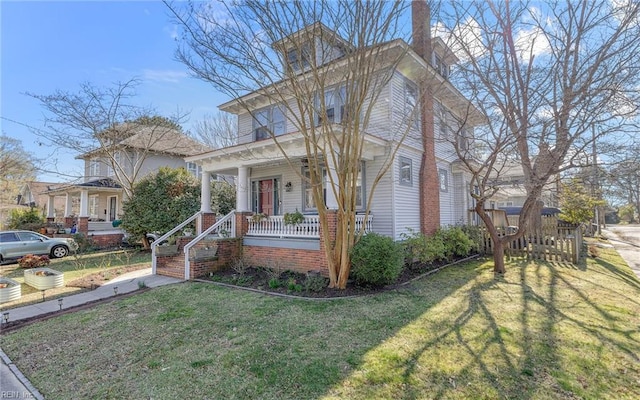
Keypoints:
pixel 112 208
pixel 266 196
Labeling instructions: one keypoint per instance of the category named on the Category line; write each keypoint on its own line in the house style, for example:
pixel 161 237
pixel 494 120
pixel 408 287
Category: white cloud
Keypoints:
pixel 465 40
pixel 166 75
pixel 532 42
pixel 172 31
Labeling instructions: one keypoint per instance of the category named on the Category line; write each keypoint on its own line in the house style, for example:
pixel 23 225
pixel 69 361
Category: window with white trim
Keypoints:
pixel 93 206
pixel 444 180
pixel 299 58
pixel 411 100
pixel 406 171
pixel 441 66
pixel 268 121
pixel 334 106
pixel 94 167
pixel 194 169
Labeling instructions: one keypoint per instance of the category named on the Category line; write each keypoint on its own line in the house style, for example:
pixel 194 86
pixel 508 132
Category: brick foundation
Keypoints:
pixel 83 225
pixel 228 251
pixel 106 241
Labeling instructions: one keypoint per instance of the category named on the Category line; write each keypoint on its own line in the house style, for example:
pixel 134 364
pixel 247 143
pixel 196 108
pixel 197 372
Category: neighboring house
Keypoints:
pixel 34 194
pixel 100 195
pixel 267 184
pixel 512 193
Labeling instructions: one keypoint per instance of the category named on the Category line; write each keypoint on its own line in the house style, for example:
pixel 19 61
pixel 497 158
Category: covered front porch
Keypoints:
pixel 272 185
pixel 91 209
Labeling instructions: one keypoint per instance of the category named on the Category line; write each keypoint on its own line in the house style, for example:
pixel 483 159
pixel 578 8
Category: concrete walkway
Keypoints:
pixel 14 384
pixel 629 247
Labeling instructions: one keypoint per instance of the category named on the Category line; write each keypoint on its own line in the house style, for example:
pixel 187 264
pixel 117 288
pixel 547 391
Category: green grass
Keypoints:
pixel 109 264
pixel 543 331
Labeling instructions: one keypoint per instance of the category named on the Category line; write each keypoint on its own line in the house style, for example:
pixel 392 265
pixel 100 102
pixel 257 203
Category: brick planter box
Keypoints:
pixel 43 278
pixel 167 250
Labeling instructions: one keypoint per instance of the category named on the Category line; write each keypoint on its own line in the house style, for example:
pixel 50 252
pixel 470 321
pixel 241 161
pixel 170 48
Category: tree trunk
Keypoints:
pixel 498 256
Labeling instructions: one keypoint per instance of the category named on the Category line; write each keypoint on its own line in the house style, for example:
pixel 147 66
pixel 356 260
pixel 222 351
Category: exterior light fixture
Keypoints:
pixel 288 187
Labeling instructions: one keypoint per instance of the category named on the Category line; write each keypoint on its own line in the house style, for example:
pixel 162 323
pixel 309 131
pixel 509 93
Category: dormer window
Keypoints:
pixel 441 66
pixel 299 58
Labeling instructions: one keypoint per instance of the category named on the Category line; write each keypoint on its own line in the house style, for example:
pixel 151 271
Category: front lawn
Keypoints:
pixel 82 272
pixel 543 331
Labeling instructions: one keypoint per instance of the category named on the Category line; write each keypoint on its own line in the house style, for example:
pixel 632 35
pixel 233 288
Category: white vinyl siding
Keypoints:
pixel 406 199
pixel 447 196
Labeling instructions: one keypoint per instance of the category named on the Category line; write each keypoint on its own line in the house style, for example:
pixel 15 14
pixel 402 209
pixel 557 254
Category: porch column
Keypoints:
pixel 205 192
pixel 84 203
pixel 332 202
pixel 68 205
pixel 51 211
pixel 242 190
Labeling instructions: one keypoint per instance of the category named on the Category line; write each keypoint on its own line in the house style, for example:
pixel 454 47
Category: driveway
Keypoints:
pixel 626 240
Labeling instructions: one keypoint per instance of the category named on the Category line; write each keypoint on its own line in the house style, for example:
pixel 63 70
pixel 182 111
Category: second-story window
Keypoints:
pixel 94 167
pixel 331 108
pixel 268 121
pixel 411 109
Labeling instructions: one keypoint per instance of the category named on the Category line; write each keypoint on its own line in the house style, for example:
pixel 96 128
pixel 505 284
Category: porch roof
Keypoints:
pixel 96 185
pixel 268 151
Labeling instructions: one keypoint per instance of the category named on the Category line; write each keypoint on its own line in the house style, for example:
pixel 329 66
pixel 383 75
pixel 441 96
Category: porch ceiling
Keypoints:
pixel 264 152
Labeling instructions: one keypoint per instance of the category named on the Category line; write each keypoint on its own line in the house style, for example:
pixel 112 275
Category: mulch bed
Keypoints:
pixel 100 278
pixel 293 283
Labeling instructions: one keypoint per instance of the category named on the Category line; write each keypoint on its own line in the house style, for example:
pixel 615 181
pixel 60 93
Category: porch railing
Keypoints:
pixel 274 226
pixel 101 226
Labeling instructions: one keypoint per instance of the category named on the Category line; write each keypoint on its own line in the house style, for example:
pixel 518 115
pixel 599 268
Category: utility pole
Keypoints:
pixel 594 187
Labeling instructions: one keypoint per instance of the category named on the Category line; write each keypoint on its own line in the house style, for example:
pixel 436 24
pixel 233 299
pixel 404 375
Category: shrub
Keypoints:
pixel 315 282
pixel 33 261
pixel 85 244
pixel 457 243
pixel 25 218
pixel 376 260
pixel 476 235
pixel 435 249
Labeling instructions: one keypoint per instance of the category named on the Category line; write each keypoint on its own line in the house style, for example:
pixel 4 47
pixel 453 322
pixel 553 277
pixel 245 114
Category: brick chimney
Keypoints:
pixel 429 180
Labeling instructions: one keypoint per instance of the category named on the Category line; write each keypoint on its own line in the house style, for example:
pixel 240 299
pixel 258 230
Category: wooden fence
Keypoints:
pixel 550 241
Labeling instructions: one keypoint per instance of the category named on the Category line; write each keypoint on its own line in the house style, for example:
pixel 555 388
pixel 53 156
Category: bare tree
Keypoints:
pixel 622 174
pixel 104 123
pixel 16 168
pixel 217 130
pixel 545 76
pixel 263 48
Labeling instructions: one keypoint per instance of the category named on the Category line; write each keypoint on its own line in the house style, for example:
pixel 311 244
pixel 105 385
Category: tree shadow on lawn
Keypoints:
pixel 460 333
pixel 508 337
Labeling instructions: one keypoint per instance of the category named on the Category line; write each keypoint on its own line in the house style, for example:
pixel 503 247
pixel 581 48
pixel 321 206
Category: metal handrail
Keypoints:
pixel 164 237
pixel 188 246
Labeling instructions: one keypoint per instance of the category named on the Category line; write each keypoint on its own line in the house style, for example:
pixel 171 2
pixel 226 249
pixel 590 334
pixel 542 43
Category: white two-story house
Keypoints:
pixel 93 204
pixel 270 174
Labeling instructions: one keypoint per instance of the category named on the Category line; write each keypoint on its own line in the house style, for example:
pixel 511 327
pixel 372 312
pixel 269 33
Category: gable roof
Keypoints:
pixel 158 140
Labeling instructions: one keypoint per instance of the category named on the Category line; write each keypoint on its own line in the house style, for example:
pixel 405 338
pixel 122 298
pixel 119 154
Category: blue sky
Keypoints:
pixel 58 45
